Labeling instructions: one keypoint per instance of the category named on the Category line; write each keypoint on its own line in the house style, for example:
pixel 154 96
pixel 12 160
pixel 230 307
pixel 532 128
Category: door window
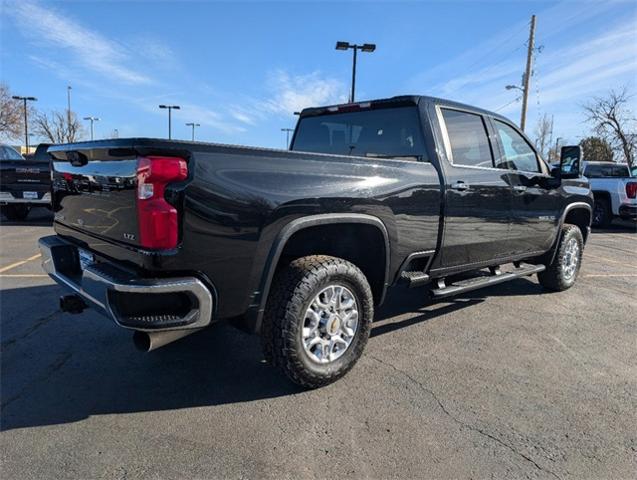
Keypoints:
pixel 468 138
pixel 518 154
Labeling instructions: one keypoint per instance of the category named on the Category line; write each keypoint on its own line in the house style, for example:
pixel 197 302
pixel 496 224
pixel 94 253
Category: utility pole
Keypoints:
pixel 287 136
pixel 26 120
pixel 92 119
pixel 527 73
pixel 557 144
pixel 193 125
pixel 170 109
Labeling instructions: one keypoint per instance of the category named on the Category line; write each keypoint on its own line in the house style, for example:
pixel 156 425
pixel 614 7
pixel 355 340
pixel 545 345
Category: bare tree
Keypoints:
pixel 596 149
pixel 11 115
pixel 543 134
pixel 613 121
pixel 58 127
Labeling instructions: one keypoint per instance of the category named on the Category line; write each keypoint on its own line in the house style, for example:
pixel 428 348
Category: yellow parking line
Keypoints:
pixel 608 260
pixel 19 275
pixel 17 264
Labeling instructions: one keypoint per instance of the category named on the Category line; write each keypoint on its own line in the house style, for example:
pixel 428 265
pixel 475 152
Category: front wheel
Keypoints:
pixel 602 214
pixel 15 212
pixel 317 320
pixel 562 272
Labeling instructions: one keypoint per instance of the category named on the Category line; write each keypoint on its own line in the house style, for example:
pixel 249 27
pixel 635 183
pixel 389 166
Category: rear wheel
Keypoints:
pixel 602 214
pixel 562 272
pixel 15 212
pixel 317 320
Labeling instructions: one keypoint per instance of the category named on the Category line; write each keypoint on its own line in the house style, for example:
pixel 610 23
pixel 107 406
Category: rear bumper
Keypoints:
pixel 628 211
pixel 142 304
pixel 7 198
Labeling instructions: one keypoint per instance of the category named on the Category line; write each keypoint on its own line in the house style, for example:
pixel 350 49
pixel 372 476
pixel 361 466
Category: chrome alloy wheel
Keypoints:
pixel 570 259
pixel 330 324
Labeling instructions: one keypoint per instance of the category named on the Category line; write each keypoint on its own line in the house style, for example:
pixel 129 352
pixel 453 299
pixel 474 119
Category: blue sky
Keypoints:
pixel 240 69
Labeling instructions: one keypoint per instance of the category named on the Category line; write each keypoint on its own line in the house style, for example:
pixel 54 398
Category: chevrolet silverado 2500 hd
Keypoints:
pixel 300 245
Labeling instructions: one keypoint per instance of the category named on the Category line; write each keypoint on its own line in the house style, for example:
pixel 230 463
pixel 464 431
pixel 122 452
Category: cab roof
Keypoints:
pixel 397 101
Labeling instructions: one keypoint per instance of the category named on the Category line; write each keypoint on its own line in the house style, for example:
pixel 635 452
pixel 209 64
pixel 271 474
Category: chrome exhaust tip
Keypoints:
pixel 149 341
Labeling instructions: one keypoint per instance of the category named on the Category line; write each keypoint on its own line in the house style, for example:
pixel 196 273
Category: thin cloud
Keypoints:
pixel 292 93
pixel 46 27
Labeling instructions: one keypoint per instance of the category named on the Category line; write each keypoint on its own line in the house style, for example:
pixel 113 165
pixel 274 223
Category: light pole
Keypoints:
pixel 68 104
pixel 366 47
pixel 92 119
pixel 287 136
pixel 26 121
pixel 170 109
pixel 193 125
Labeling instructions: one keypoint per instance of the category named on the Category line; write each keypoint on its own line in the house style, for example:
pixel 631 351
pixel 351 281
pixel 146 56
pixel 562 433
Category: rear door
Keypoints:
pixel 536 202
pixel 477 195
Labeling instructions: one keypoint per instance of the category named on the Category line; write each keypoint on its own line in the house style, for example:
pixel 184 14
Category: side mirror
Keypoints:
pixel 570 158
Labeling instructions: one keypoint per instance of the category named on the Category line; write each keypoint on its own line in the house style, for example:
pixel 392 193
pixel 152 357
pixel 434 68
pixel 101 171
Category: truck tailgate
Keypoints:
pixel 94 191
pixel 25 177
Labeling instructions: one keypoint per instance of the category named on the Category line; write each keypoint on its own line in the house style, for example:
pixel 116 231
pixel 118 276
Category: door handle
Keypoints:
pixel 460 185
pixel 519 188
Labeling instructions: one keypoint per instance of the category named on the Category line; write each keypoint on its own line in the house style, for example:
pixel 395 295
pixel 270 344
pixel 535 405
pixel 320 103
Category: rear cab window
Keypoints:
pixel 604 171
pixel 468 139
pixel 393 132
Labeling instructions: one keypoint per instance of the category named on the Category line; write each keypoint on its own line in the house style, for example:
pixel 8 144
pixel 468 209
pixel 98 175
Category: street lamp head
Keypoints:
pixel 176 107
pixel 511 87
pixel 368 47
pixel 342 45
pixel 163 106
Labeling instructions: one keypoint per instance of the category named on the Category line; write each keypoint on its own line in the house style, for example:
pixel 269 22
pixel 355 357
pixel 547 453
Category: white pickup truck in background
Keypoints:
pixel 614 186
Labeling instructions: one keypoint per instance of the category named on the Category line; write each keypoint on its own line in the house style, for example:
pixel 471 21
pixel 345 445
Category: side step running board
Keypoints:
pixel 485 281
pixel 414 279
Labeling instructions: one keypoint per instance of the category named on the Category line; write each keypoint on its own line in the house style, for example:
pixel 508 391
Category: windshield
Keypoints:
pixel 8 153
pixel 387 132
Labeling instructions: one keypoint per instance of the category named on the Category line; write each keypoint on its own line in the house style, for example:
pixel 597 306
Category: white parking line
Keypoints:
pixel 610 275
pixel 20 275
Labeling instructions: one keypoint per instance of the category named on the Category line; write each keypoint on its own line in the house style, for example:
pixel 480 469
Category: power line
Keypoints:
pixel 500 45
pixel 507 104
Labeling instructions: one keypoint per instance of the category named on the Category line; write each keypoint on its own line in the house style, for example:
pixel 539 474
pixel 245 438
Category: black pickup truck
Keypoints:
pixel 300 245
pixel 24 183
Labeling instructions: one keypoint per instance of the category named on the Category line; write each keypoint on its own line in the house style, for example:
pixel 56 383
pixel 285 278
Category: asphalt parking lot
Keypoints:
pixel 506 382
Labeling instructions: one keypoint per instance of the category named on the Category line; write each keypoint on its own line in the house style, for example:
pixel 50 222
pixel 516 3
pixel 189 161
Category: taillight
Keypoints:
pixel 158 222
pixel 631 189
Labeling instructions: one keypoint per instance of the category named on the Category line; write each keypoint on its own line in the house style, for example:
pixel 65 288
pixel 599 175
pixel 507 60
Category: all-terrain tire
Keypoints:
pixel 561 273
pixel 293 290
pixel 602 215
pixel 15 212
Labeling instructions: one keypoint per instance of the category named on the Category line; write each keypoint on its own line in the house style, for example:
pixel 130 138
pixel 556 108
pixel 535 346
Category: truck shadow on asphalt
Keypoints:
pixel 58 368
pixel 38 217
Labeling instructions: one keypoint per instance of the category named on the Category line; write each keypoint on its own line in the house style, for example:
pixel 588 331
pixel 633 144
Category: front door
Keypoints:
pixel 477 195
pixel 536 201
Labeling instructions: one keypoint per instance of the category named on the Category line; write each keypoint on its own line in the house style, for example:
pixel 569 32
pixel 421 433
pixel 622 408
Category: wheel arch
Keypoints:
pixel 577 213
pixel 304 224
